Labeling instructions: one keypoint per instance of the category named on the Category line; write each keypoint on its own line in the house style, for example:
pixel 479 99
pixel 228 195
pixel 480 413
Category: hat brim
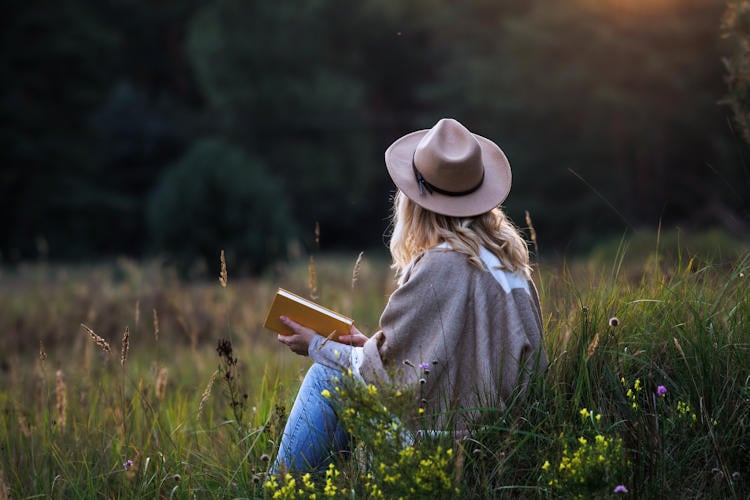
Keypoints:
pixel 492 192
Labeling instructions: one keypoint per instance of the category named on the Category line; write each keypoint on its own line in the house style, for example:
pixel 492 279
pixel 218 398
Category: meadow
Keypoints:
pixel 122 380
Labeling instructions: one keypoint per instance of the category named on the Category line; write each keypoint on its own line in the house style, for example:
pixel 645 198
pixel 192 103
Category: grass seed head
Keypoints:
pixel 679 348
pixel 125 346
pixel 223 270
pixel 61 398
pixel 592 346
pixel 160 387
pixel 156 325
pixel 207 393
pixel 357 267
pixel 100 342
pixel 532 231
pixel 312 282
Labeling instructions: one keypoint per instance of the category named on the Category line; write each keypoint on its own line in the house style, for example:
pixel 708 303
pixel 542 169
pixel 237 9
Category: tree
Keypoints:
pixel 218 197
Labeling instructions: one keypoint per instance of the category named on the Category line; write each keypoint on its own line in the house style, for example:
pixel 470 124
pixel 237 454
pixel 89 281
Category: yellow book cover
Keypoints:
pixel 307 313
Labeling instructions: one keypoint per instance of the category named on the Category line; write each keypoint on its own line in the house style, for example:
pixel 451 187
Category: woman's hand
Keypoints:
pixel 355 338
pixel 299 341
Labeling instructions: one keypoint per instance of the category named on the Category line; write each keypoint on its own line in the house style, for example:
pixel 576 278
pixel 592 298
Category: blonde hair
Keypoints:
pixel 416 229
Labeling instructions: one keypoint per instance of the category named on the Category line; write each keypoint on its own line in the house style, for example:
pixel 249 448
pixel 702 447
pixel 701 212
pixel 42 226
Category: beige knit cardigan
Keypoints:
pixel 478 335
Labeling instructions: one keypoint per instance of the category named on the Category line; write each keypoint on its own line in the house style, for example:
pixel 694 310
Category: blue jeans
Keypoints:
pixel 313 432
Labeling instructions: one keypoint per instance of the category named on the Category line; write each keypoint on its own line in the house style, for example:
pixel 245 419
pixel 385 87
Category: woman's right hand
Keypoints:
pixel 355 338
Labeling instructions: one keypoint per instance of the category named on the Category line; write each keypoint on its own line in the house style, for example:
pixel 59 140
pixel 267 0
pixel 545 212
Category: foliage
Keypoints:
pixel 218 195
pixel 647 370
pixel 614 105
pixel 288 96
pixel 736 28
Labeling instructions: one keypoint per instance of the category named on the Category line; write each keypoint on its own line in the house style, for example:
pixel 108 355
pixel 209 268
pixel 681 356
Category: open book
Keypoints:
pixel 307 313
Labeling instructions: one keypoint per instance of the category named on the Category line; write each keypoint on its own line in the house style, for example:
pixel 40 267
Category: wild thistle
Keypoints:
pixel 228 366
pixel 100 342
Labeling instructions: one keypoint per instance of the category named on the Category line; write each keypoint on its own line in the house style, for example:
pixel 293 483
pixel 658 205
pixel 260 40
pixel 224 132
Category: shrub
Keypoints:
pixel 217 197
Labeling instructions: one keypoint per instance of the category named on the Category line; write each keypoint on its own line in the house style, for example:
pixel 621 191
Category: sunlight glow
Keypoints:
pixel 635 7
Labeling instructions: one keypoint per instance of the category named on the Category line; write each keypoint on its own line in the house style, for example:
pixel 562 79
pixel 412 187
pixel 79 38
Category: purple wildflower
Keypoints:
pixel 424 366
pixel 620 488
pixel 661 391
pixel 127 464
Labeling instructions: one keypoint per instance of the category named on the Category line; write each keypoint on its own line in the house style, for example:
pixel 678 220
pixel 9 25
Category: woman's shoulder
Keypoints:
pixel 442 255
pixel 443 262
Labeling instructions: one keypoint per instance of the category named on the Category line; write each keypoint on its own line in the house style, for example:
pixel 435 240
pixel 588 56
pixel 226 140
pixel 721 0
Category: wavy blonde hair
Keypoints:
pixel 416 229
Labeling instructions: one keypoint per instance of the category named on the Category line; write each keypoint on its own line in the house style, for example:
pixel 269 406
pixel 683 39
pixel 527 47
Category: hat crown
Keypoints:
pixel 448 170
pixel 449 157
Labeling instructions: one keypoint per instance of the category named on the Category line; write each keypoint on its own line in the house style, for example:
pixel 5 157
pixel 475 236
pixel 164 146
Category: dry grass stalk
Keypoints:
pixel 119 421
pixel 223 271
pixel 156 325
pixel 592 346
pixel 312 279
pixel 357 267
pixel 125 346
pixel 325 340
pixel 458 472
pixel 62 399
pixel 4 488
pixel 207 393
pixel 42 353
pixel 679 348
pixel 532 231
pixel 160 388
pixel 23 424
pixel 100 342
pixel 137 313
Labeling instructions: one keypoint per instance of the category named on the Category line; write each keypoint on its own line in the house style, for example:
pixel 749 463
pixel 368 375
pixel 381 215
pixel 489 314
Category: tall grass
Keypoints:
pixel 648 389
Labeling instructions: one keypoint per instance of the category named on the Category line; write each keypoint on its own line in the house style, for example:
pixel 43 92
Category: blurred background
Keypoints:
pixel 180 127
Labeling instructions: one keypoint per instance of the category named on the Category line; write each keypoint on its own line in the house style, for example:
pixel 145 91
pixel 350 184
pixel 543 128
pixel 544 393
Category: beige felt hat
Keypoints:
pixel 450 171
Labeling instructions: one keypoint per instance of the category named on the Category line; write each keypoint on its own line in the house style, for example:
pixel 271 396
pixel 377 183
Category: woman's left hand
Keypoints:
pixel 299 341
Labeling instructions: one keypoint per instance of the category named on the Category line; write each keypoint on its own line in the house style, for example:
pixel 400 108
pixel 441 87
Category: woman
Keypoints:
pixel 465 305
